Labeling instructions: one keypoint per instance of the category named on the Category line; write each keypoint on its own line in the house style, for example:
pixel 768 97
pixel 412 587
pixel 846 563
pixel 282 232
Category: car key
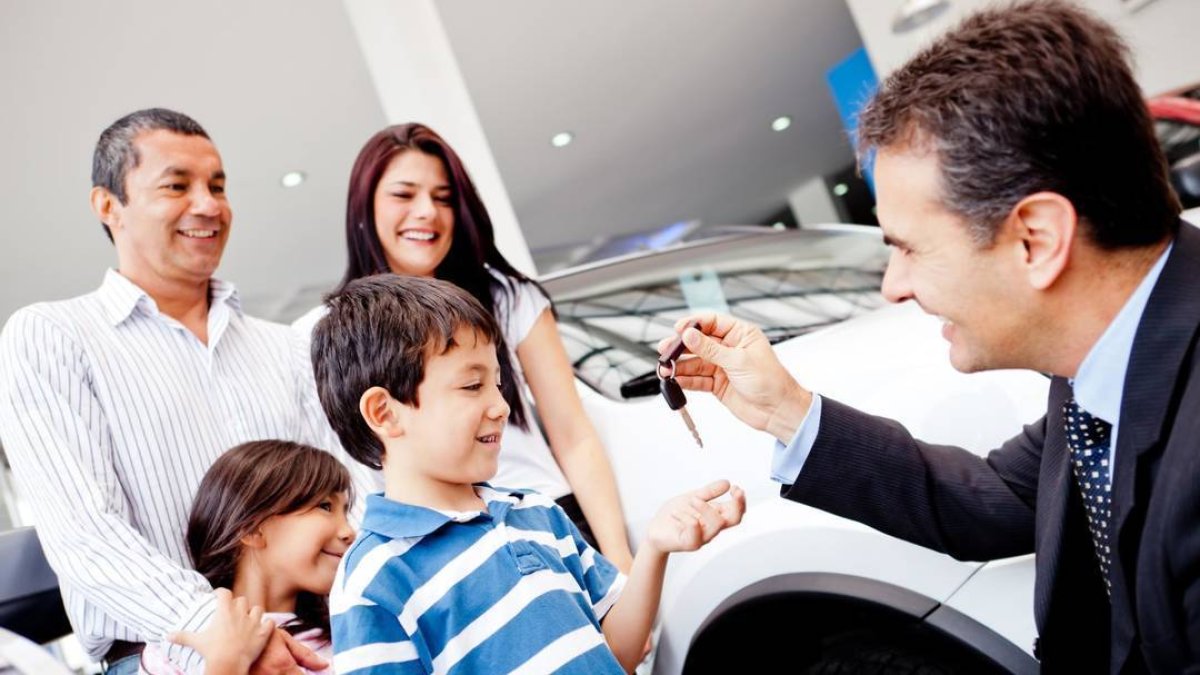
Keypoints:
pixel 677 401
pixel 670 388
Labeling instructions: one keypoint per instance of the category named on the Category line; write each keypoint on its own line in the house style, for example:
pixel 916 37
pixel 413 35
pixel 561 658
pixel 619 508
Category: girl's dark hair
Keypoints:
pixel 247 485
pixel 473 245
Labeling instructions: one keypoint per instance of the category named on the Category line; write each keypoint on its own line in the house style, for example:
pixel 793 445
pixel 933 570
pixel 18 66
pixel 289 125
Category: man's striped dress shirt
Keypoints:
pixel 110 413
pixel 514 588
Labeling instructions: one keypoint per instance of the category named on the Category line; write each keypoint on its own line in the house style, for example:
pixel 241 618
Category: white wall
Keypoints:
pixel 1162 35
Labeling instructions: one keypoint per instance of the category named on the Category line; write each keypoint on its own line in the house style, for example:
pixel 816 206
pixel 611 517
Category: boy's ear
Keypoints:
pixel 378 409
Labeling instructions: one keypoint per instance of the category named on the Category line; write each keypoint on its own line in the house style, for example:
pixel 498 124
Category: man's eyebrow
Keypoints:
pixel 180 172
pixel 174 171
pixel 889 240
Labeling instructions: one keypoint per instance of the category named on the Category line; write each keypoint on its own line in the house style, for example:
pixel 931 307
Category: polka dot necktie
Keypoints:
pixel 1088 438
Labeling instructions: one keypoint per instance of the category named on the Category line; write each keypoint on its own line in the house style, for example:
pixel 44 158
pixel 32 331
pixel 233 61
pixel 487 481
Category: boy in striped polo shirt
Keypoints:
pixel 449 574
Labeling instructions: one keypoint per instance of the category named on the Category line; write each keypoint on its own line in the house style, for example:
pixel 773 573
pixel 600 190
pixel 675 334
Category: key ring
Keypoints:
pixel 659 367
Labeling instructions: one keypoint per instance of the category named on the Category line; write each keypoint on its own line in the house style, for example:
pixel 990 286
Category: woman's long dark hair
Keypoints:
pixel 473 244
pixel 244 487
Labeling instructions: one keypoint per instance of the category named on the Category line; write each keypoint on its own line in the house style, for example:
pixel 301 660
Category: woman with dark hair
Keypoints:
pixel 269 525
pixel 412 209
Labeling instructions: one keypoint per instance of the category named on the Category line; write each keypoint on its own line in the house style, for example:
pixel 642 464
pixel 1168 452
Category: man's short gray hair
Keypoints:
pixel 115 153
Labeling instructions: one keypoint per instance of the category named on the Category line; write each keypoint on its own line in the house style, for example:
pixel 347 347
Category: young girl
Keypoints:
pixel 268 524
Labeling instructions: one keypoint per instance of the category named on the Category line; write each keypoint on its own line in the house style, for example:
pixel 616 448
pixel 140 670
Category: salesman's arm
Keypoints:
pixel 56 435
pixel 946 498
pixel 867 468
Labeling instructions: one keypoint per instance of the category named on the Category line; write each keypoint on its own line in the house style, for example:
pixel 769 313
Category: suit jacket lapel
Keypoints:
pixel 1053 493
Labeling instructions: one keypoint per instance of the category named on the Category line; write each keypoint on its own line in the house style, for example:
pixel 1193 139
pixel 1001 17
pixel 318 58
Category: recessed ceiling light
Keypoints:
pixel 292 178
pixel 780 123
pixel 841 189
pixel 562 139
pixel 916 13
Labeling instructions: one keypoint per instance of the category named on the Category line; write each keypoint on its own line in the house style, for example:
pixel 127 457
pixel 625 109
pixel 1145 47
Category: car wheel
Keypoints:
pixel 825 634
pixel 872 655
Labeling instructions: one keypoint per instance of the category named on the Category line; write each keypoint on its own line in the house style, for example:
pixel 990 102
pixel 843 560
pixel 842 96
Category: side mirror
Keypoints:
pixel 1185 178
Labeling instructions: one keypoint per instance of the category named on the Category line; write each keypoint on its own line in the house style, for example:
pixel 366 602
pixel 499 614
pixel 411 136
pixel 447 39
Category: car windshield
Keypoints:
pixel 612 316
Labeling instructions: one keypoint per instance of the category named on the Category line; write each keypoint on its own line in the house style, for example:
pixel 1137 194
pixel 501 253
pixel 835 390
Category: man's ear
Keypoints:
pixel 378 409
pixel 104 206
pixel 1046 225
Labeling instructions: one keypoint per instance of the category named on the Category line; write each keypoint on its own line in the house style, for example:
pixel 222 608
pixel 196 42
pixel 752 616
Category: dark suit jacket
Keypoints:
pixel 1023 498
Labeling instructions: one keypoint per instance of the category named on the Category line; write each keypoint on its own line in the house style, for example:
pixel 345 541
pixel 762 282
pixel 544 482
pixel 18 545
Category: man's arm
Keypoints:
pixel 868 468
pixel 56 435
pixel 872 470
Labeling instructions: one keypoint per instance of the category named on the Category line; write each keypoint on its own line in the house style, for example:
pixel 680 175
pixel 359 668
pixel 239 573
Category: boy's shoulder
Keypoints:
pixel 391 529
pixel 399 526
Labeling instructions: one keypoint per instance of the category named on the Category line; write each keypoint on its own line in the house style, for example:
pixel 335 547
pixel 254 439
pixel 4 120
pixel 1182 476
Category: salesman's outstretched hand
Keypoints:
pixel 734 361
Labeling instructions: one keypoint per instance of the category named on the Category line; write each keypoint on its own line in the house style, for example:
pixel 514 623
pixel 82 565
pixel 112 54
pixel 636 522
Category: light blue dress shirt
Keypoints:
pixel 1098 384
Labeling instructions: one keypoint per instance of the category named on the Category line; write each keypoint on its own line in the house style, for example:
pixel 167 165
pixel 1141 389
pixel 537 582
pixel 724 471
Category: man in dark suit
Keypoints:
pixel 1027 205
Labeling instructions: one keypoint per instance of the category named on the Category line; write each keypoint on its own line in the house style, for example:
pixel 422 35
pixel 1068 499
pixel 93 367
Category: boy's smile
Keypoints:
pixel 451 435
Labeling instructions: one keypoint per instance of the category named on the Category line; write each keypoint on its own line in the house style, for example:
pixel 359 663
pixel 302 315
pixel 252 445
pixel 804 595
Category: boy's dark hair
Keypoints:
pixel 1035 96
pixel 116 154
pixel 378 332
pixel 247 485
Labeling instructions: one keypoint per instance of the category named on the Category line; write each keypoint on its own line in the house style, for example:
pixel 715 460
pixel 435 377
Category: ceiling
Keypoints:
pixel 671 104
pixel 670 101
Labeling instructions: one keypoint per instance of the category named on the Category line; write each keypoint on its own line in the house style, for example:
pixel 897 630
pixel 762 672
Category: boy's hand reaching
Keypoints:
pixel 685 523
pixel 692 519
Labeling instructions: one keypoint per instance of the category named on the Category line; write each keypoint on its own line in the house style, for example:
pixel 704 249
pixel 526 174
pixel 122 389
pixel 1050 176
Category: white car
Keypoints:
pixel 794 586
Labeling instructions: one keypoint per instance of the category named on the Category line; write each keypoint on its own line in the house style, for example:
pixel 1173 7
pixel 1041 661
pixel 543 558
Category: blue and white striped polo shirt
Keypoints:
pixel 511 589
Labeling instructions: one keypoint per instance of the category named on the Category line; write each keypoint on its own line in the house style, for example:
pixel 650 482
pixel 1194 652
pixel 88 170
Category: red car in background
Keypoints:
pixel 1177 125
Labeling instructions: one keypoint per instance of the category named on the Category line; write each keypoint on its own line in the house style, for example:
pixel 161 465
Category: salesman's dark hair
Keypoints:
pixel 1037 96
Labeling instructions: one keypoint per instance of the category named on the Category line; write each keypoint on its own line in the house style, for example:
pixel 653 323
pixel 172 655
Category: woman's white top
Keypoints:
pixel 525 458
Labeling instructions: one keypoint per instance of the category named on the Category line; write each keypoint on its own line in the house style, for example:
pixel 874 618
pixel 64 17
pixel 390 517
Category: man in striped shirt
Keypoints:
pixel 114 404
pixel 449 574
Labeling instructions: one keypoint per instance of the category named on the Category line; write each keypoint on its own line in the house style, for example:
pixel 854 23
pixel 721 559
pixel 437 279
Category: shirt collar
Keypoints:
pixel 397 520
pixel 121 297
pixel 1100 381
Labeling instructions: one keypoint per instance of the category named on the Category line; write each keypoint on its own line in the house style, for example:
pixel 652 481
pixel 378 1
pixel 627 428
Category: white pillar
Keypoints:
pixel 811 203
pixel 416 75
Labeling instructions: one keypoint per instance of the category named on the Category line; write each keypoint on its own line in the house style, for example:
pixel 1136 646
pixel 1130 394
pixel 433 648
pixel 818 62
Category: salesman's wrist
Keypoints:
pixel 787 417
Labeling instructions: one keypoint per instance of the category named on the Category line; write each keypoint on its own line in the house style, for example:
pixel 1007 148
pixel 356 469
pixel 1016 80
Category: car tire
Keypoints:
pixel 871 654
